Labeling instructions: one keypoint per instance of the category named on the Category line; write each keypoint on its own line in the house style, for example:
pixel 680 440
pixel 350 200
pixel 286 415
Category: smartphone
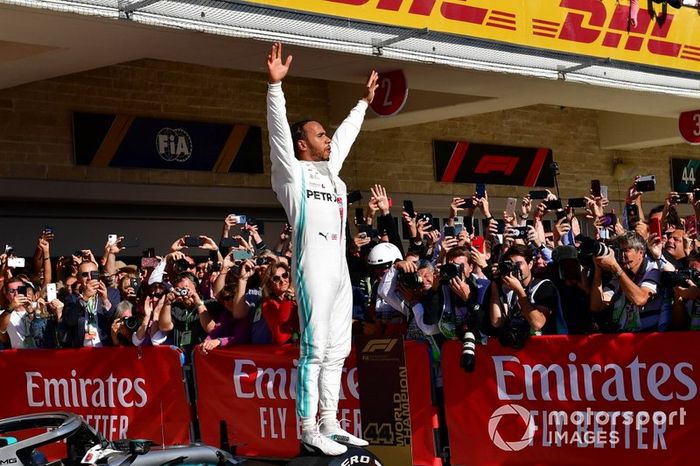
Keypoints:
pixel 354 196
pixel 577 202
pixel 541 194
pixel 408 208
pixel 241 255
pixel 655 226
pixel 364 228
pixel 245 235
pixel 15 262
pixel 632 211
pixel 240 219
pixel 646 183
pixel 94 275
pixel 553 205
pixel 595 188
pixel 518 232
pixel 681 198
pixel 51 292
pixel 560 213
pixel 22 290
pixel 193 241
pixel 427 217
pixel 478 243
pixel 604 191
pixel 226 243
pixel 511 202
pixel 149 262
pixel 458 228
pixel 449 231
pixel 480 190
pixel 608 220
pixel 112 238
pixel 130 242
pixel 359 215
pixel 500 226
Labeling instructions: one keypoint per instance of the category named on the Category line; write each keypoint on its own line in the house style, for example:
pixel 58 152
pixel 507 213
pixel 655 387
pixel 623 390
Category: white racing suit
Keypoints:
pixel 313 196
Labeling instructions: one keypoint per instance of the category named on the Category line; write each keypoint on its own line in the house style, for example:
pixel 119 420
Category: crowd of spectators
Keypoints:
pixel 545 266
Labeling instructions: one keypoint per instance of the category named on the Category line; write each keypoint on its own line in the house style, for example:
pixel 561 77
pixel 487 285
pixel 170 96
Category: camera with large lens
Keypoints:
pixel 513 337
pixel 131 323
pixel 508 267
pixel 450 270
pixel 468 358
pixel 591 248
pixel 411 281
pixel 680 278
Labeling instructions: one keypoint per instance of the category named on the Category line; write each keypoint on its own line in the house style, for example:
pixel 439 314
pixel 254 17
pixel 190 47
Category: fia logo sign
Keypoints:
pixel 174 145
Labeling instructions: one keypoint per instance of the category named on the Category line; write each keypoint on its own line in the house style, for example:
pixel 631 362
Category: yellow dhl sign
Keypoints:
pixel 596 28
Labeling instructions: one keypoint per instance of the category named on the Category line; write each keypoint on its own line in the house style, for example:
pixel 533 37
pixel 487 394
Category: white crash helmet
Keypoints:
pixel 383 254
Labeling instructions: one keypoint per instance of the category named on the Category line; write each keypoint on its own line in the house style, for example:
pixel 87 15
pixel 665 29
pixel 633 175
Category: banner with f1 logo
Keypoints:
pixel 465 162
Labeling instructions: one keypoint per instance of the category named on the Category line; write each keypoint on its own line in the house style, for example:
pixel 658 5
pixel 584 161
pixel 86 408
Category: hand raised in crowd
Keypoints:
pixel 43 246
pixel 540 211
pixel 19 301
pixel 56 308
pixel 449 242
pixel 277 69
pixel 514 284
pixel 360 240
pixel 654 246
pixel 247 269
pixel 594 207
pixel 456 206
pixel 372 209
pixel 560 229
pixel 477 258
pixel 607 262
pixel 371 86
pixel 178 245
pixel 422 227
pixel 525 207
pixel 632 193
pixel 286 233
pixel 509 219
pixel 410 224
pixel 379 193
pixel 483 205
pixel 114 247
pixel 208 243
pixel 432 236
pixel 253 229
pixel 102 291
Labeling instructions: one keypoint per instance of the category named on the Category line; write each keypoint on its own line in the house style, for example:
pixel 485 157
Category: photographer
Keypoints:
pixel 404 287
pixel 184 314
pixel 521 305
pixel 124 325
pixel 686 305
pixel 633 294
pixel 461 307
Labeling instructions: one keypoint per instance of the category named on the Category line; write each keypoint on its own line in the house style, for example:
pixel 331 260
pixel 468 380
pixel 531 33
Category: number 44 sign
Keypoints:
pixel 391 95
pixel 689 126
pixel 684 175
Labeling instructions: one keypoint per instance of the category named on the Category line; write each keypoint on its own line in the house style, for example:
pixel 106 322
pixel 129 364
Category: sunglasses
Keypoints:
pixel 277 278
pixel 157 295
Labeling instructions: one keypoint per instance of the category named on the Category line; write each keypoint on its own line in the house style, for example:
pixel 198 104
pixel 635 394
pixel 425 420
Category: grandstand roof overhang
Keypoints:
pixel 449 76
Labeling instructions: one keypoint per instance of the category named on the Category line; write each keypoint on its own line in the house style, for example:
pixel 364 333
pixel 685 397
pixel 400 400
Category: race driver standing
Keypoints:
pixel 305 168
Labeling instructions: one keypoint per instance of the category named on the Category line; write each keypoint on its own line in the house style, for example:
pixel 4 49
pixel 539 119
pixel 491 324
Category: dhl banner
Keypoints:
pixel 253 389
pixel 123 392
pixel 602 399
pixel 594 28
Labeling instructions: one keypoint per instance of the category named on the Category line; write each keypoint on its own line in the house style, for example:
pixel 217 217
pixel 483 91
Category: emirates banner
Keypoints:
pixel 602 399
pixel 123 392
pixel 253 389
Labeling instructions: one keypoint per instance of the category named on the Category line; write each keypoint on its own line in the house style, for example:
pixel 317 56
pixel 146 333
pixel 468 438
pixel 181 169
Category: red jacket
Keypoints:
pixel 281 318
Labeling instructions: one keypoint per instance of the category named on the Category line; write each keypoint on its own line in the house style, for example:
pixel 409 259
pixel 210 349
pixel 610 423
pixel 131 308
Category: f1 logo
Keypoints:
pixel 381 344
pixel 496 163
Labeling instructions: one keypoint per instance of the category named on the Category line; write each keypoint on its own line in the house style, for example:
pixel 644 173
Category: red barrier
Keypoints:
pixel 605 399
pixel 253 389
pixel 122 392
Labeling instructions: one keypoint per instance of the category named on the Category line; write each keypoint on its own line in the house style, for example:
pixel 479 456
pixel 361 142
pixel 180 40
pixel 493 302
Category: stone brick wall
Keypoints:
pixel 36 133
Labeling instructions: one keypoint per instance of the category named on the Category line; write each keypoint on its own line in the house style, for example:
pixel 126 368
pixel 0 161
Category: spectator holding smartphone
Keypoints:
pixel 88 313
